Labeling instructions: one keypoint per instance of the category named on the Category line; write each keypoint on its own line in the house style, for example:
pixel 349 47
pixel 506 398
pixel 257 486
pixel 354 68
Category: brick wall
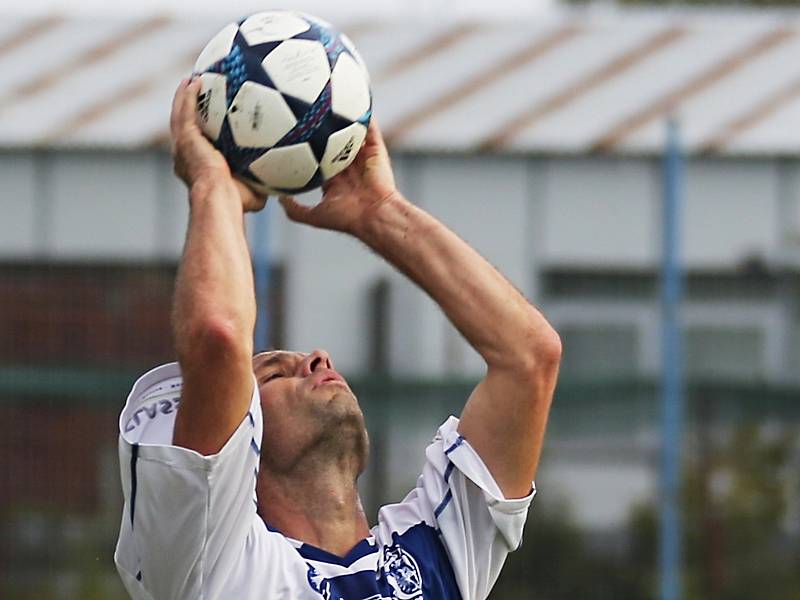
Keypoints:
pixel 87 316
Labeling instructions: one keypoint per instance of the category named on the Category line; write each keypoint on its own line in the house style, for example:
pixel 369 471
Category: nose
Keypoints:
pixel 318 359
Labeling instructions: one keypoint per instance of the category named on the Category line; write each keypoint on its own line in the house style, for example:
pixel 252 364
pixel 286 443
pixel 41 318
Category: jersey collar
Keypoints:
pixel 360 550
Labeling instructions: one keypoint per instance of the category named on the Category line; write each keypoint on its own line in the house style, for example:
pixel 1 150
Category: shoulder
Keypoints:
pixel 149 412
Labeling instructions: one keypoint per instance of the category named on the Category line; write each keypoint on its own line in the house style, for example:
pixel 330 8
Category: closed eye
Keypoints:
pixel 272 376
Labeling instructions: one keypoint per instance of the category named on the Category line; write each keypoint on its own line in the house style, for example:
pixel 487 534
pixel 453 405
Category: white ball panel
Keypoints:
pixel 316 20
pixel 212 103
pixel 217 49
pixel 351 48
pixel 349 88
pixel 342 148
pixel 259 116
pixel 272 26
pixel 287 167
pixel 299 68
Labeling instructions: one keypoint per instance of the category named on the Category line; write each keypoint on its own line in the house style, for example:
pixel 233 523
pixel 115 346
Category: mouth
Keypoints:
pixel 329 378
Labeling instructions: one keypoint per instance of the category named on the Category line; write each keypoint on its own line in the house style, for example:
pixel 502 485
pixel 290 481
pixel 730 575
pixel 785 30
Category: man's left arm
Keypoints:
pixel 505 417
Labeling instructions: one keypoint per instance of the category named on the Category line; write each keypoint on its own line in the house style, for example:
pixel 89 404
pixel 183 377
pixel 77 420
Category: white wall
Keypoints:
pixel 601 212
pixel 566 211
pixel 18 206
pixel 732 213
pixel 109 206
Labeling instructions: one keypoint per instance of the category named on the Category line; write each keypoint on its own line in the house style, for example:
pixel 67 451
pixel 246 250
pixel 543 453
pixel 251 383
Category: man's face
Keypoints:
pixel 307 406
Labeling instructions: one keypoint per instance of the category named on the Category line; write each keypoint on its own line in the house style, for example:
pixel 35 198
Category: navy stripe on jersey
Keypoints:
pixel 443 504
pixel 449 495
pixel 134 459
pixel 455 445
pixel 360 550
pixel 448 471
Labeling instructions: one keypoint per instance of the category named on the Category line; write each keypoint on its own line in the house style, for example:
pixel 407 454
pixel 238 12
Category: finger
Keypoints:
pixel 374 141
pixel 252 200
pixel 338 187
pixel 374 133
pixel 294 210
pixel 177 101
pixel 373 146
pixel 189 108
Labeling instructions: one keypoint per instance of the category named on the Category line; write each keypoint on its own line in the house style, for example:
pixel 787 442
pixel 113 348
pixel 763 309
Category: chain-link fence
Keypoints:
pixel 72 340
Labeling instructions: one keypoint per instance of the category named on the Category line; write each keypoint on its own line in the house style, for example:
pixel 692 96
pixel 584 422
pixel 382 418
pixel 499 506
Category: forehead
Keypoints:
pixel 276 357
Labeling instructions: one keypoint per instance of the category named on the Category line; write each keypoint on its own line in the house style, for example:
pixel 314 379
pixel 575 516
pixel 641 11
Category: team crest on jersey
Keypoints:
pixel 402 573
pixel 321 585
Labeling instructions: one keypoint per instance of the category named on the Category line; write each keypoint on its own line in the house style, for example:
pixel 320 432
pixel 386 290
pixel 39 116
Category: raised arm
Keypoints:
pixel 505 417
pixel 214 307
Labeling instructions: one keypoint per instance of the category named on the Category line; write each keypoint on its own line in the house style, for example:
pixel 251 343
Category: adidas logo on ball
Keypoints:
pixel 203 102
pixel 344 155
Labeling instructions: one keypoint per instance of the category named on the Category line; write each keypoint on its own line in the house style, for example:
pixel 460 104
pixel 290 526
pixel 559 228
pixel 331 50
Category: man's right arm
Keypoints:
pixel 187 514
pixel 214 307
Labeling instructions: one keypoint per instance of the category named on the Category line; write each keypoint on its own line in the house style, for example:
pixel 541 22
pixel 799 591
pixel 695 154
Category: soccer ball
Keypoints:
pixel 285 98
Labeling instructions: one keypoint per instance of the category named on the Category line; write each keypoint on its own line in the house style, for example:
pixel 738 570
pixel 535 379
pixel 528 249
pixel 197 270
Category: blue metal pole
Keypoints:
pixel 261 268
pixel 672 368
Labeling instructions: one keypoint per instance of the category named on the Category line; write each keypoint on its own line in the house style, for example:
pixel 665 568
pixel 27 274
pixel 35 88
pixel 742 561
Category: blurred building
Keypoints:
pixel 539 143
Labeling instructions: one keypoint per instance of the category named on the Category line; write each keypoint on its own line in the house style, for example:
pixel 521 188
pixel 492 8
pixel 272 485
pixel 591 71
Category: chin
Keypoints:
pixel 342 398
pixel 343 408
pixel 347 408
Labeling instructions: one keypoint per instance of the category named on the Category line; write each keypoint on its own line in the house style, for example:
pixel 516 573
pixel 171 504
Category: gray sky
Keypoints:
pixel 494 9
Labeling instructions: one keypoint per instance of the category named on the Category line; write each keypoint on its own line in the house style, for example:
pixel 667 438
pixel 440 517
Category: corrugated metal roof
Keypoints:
pixel 568 83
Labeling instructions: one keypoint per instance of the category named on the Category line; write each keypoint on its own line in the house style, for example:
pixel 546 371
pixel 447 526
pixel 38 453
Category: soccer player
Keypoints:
pixel 239 472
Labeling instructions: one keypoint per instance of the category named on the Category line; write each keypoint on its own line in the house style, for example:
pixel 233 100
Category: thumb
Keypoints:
pixel 294 210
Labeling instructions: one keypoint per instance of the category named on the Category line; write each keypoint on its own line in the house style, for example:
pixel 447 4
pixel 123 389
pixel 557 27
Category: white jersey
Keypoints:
pixel 190 529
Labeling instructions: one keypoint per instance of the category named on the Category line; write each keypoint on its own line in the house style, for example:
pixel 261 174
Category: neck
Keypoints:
pixel 320 507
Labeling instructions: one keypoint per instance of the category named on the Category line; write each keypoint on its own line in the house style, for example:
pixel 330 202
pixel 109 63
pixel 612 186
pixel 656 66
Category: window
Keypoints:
pixel 601 349
pixel 718 352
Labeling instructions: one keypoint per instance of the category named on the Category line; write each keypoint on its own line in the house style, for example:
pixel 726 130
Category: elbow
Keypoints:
pixel 213 339
pixel 537 353
pixel 544 352
pixel 552 347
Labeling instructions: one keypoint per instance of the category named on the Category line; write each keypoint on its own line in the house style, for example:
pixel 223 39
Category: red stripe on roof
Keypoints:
pixel 530 53
pixel 33 30
pixel 559 100
pixel 668 102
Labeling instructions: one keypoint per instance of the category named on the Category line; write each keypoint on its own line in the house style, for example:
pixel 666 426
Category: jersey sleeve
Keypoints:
pixel 186 516
pixel 458 497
